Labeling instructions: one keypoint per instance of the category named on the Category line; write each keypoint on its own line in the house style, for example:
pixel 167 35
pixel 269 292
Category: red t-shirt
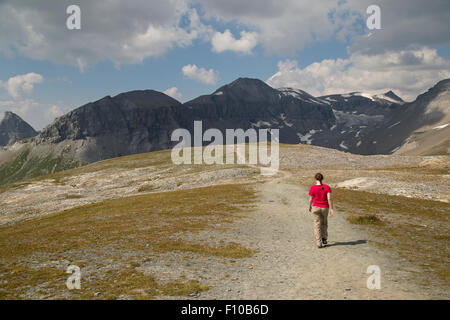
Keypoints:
pixel 319 195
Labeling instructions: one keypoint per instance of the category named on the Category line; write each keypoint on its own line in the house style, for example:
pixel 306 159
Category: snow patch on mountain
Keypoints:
pixel 301 95
pixel 385 97
pixel 343 146
pixel 352 119
pixel 261 123
pixel 319 101
pixel 365 95
pixel 289 124
pixel 395 149
pixel 393 125
pixel 441 127
pixel 307 137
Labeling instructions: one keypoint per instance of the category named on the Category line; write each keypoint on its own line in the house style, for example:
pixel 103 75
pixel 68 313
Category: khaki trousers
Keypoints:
pixel 320 216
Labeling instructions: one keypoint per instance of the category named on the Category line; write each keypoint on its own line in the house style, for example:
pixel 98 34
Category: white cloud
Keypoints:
pixel 127 32
pixel 200 74
pixel 408 72
pixel 21 85
pixel 173 92
pixel 225 41
pixel 38 115
pixel 124 32
pixel 406 24
pixel 286 26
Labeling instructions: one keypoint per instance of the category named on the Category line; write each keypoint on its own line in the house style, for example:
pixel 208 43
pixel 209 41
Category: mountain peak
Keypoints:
pixel 436 90
pixel 247 87
pixel 146 98
pixel 13 128
pixel 392 95
pixel 246 81
pixel 10 115
pixel 443 85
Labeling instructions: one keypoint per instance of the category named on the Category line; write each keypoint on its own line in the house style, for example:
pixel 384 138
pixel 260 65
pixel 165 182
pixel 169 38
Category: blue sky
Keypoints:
pixel 47 70
pixel 68 84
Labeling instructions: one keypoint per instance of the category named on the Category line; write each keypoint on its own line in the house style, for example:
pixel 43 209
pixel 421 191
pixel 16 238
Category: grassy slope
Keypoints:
pixel 114 238
pixel 25 166
pixel 417 229
pixel 440 149
pixel 161 159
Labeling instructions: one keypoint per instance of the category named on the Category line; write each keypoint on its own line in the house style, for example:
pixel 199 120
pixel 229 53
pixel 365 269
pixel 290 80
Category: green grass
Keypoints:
pixel 144 226
pixel 10 170
pixel 417 229
pixel 365 219
pixel 25 166
pixel 127 281
pixel 230 250
pixel 73 196
pixel 60 169
pixel 147 188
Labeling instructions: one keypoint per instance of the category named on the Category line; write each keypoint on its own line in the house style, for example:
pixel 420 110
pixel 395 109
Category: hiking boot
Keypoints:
pixel 324 241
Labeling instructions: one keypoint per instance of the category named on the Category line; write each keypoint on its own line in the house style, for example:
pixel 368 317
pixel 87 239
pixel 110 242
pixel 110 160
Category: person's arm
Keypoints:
pixel 330 202
pixel 310 203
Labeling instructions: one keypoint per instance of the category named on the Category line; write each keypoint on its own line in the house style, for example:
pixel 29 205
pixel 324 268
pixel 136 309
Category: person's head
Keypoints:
pixel 319 177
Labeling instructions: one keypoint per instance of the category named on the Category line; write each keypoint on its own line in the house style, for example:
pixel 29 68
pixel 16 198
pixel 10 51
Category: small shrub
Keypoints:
pixel 365 219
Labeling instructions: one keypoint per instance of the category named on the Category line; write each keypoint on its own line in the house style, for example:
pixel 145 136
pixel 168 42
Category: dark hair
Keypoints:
pixel 319 177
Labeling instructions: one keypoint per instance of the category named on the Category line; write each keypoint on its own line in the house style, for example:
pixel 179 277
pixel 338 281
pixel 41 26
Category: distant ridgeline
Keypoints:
pixel 143 121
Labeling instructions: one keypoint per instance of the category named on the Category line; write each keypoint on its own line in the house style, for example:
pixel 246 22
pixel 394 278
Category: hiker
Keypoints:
pixel 319 205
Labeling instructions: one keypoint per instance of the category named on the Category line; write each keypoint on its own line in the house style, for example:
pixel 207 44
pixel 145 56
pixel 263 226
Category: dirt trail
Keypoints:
pixel 289 265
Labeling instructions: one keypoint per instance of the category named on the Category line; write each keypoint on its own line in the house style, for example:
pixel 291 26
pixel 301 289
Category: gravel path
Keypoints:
pixel 289 266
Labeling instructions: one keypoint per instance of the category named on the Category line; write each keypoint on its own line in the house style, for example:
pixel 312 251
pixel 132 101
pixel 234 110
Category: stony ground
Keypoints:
pixel 286 265
pixel 289 266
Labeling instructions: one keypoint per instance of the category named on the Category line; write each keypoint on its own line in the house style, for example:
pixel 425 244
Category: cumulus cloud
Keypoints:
pixel 200 74
pixel 35 113
pixel 21 85
pixel 127 32
pixel 38 115
pixel 225 41
pixel 123 32
pixel 173 92
pixel 408 72
pixel 406 24
pixel 286 26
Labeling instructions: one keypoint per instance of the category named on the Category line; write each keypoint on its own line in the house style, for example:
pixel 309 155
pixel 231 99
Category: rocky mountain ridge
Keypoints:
pixel 143 120
pixel 14 128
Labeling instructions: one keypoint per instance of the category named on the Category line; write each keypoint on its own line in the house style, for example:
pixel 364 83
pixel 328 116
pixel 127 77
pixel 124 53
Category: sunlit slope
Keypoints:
pixel 110 179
